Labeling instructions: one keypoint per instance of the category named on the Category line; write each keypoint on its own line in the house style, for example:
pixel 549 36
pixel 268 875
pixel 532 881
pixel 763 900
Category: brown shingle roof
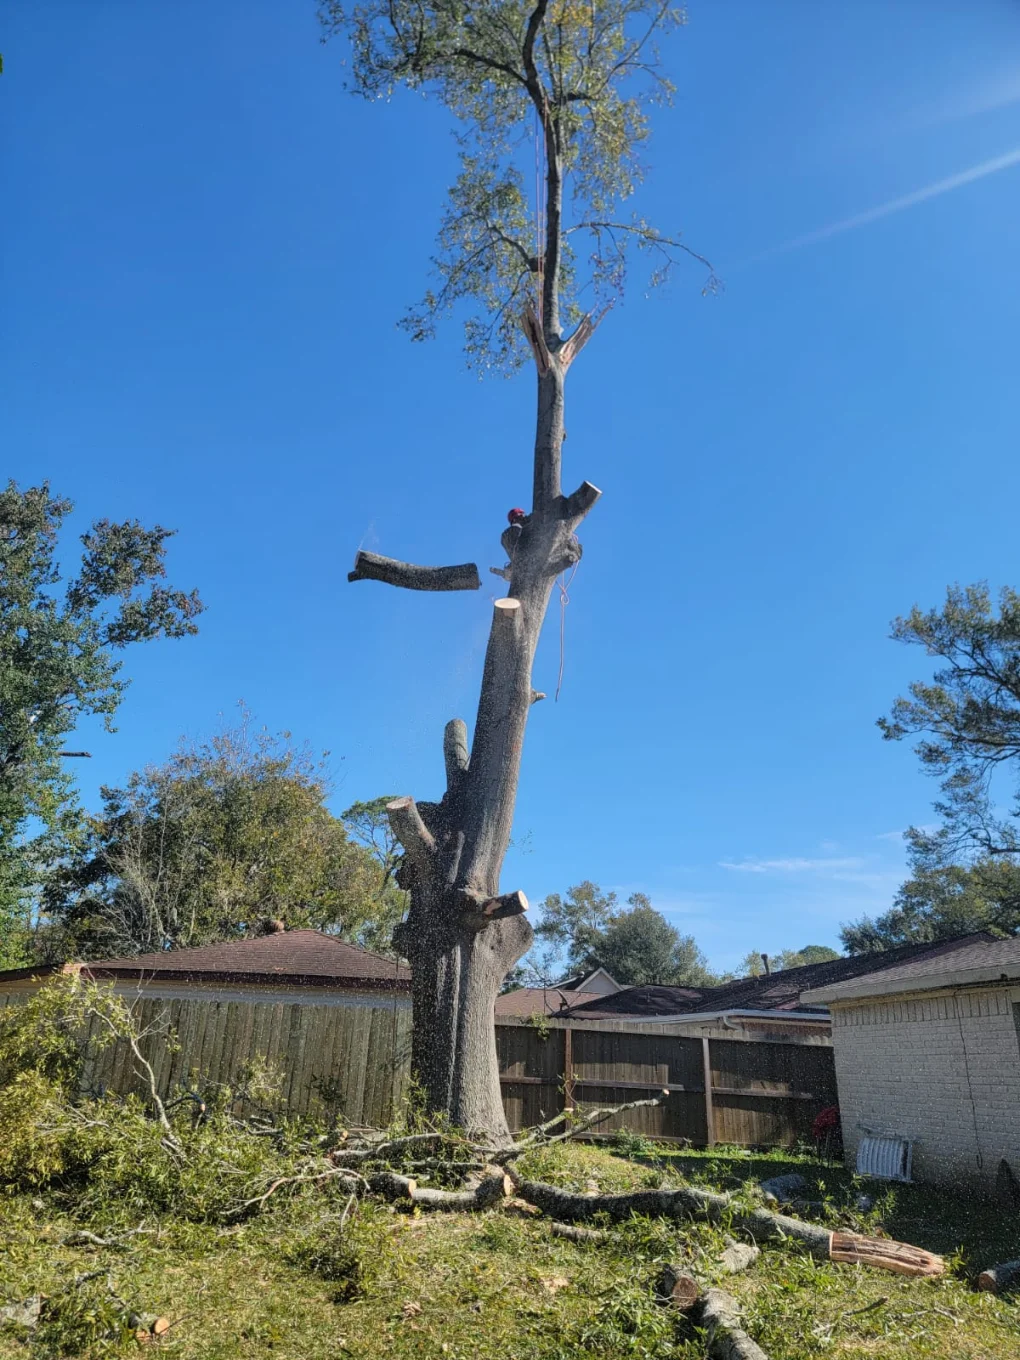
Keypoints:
pixel 776 992
pixel 541 1000
pixel 298 957
pixel 978 958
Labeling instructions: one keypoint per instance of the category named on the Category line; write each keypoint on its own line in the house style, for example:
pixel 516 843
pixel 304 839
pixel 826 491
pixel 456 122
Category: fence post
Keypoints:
pixel 568 1068
pixel 706 1058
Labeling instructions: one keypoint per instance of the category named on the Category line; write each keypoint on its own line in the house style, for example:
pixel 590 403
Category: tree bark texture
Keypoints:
pixel 462 935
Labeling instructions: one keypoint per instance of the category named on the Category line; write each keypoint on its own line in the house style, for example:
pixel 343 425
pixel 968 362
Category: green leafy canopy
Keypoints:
pixel 59 645
pixel 578 76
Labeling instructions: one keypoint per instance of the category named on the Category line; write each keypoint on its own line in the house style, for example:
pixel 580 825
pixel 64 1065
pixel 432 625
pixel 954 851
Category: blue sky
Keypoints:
pixel 206 247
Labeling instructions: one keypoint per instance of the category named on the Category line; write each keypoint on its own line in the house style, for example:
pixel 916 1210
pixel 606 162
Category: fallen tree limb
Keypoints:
pixel 719 1314
pixel 997 1279
pixel 576 1234
pixel 83 1238
pixel 370 566
pixel 500 1157
pixel 782 1189
pixel 677 1288
pixel 738 1256
pixel 490 1189
pixel 762 1225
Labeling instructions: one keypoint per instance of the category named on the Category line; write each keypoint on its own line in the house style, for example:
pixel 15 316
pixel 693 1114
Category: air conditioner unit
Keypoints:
pixel 887 1157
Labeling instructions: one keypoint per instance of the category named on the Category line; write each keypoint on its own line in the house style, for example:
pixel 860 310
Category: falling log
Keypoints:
pixel 738 1256
pixel 575 1234
pixel 677 1288
pixel 719 1314
pixel 997 1279
pixel 852 1249
pixel 371 567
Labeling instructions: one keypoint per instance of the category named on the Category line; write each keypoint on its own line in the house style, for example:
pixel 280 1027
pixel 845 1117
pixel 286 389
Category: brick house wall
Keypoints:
pixel 940 1068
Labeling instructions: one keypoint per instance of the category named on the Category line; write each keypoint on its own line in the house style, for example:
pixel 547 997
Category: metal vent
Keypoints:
pixel 884 1156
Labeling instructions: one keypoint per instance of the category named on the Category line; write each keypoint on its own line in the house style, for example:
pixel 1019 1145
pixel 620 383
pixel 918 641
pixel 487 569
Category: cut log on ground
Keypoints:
pixel 573 1233
pixel 997 1279
pixel 719 1314
pixel 761 1225
pixel 677 1288
pixel 738 1256
pixel 853 1249
pixel 781 1189
pixel 491 1188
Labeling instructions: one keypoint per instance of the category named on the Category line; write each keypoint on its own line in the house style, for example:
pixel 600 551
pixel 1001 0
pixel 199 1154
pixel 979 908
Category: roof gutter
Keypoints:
pixel 697 1017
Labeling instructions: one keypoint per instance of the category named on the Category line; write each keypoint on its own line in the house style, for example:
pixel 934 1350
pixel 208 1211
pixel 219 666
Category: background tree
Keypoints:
pixel 967 717
pixel 588 930
pixel 59 640
pixel 368 825
pixel 206 847
pixel 583 75
pixel 965 875
pixel 640 946
pixel 942 899
pixel 573 924
pixel 753 965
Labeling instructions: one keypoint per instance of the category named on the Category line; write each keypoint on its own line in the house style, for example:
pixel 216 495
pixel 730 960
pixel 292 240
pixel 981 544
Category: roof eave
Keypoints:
pixel 873 986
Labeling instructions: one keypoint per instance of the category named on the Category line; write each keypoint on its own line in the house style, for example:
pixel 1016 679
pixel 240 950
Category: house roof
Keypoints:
pixel 295 957
pixel 974 960
pixel 790 989
pixel 541 1000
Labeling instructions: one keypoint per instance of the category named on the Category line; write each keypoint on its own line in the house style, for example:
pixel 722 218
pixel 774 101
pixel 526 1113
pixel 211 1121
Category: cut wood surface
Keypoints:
pixel 678 1288
pixel 998 1278
pixel 853 1249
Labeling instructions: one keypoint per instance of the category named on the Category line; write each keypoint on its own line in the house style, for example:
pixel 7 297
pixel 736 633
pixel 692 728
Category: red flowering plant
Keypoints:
pixel 827 1132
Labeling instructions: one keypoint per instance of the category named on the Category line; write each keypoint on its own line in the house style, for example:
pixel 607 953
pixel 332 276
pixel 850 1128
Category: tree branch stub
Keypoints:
pixel 411 831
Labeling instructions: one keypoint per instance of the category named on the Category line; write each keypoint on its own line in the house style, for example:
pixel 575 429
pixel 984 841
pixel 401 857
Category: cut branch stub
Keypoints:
pixel 577 505
pixel 532 328
pixel 480 912
pixel 411 831
pixel 371 567
pixel 455 751
pixel 586 328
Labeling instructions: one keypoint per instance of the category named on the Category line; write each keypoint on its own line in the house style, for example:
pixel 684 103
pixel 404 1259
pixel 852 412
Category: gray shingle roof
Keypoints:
pixel 976 959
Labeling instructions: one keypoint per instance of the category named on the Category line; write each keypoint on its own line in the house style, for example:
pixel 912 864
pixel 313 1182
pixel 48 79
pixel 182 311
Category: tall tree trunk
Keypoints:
pixel 461 936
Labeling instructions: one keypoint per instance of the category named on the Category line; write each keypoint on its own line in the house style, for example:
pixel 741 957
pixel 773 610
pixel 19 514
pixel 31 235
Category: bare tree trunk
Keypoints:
pixel 461 937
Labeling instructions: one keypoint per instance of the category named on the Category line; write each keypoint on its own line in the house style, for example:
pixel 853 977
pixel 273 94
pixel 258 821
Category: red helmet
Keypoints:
pixel 516 514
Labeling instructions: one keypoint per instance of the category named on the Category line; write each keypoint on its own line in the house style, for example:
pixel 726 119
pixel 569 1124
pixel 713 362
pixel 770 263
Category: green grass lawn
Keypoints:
pixel 478 1287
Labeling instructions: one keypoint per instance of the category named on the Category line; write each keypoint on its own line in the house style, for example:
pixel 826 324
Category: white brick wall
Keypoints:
pixel 943 1069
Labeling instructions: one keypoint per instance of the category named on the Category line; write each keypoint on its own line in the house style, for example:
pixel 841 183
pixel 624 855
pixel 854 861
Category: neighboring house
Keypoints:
pixel 333 1019
pixel 553 1000
pixel 770 1006
pixel 929 1049
pixel 281 965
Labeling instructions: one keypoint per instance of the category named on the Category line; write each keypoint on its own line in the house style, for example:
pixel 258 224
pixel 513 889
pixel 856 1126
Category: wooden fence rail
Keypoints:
pixel 354 1059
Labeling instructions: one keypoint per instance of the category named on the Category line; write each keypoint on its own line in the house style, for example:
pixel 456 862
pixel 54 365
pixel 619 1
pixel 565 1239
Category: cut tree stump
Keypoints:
pixel 852 1249
pixel 997 1279
pixel 677 1288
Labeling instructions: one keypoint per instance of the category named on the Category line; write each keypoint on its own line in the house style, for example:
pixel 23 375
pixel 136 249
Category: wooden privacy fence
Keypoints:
pixel 355 1058
pixel 742 1090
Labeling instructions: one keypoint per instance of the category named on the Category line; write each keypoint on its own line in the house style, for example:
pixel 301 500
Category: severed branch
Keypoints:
pixel 371 567
pixel 455 752
pixel 480 913
pixel 493 1186
pixel 411 831
pixel 575 343
pixel 538 1139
